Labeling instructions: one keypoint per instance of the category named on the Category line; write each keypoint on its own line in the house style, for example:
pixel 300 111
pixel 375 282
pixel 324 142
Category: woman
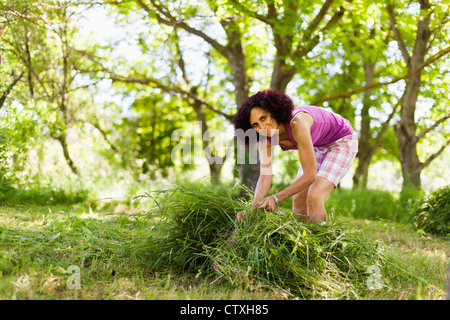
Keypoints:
pixel 326 144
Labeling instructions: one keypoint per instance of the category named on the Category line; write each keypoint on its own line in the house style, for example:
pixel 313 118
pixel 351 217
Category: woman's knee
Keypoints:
pixel 319 192
pixel 313 199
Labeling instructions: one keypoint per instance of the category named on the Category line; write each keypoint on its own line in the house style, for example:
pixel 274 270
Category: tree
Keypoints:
pixel 364 38
pixel 185 88
pixel 242 46
pixel 296 30
pixel 430 23
pixel 235 18
pixel 38 42
pixel 379 63
pixel 152 131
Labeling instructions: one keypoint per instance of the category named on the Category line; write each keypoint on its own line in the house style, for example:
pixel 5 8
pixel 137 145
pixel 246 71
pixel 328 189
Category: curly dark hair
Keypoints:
pixel 278 104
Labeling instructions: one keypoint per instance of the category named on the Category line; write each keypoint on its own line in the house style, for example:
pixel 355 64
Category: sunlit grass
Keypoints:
pixel 105 240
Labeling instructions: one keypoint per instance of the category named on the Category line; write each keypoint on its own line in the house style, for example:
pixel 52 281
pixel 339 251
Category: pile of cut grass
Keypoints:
pixel 197 233
pixel 305 260
pixel 190 220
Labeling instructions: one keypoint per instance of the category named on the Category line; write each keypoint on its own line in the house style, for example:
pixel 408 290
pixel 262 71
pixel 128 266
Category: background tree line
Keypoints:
pixel 384 65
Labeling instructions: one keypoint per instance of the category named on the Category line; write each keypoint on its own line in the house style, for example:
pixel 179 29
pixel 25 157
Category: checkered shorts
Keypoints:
pixel 335 160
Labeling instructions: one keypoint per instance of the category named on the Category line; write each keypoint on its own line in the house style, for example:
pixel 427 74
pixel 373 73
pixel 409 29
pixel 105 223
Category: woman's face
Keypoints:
pixel 262 121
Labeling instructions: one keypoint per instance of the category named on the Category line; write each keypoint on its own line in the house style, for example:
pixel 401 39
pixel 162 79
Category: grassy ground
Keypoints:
pixel 86 252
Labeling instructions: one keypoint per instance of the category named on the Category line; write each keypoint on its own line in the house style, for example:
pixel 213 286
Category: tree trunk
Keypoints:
pixel 215 170
pixel 214 167
pixel 365 152
pixel 62 140
pixel 236 58
pixel 405 130
pixel 10 87
pixel 281 75
pixel 448 283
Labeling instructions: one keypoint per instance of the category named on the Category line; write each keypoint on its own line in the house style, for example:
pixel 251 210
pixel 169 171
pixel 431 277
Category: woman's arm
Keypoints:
pixel 262 189
pixel 301 131
pixel 265 176
pixel 265 172
pixel 301 126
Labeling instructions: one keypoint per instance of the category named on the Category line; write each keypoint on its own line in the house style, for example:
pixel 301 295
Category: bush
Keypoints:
pixel 363 203
pixel 43 196
pixel 6 175
pixel 432 212
pixel 373 204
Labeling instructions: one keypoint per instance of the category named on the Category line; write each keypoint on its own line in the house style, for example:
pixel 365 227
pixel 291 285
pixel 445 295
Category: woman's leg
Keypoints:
pixel 318 193
pixel 334 161
pixel 309 204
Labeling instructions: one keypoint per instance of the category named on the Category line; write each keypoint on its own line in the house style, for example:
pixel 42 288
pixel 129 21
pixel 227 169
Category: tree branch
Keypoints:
pixel 154 82
pixel 250 13
pixel 323 11
pixel 424 132
pixel 173 22
pixel 8 90
pixel 309 44
pixel 443 22
pixel 180 59
pixel 104 135
pixel 397 35
pixel 435 155
pixel 384 127
pixel 169 89
pixel 348 93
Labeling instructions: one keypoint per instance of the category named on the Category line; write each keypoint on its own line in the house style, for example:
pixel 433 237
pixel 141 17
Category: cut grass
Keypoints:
pixel 41 244
pixel 38 244
pixel 426 257
pixel 109 245
pixel 198 233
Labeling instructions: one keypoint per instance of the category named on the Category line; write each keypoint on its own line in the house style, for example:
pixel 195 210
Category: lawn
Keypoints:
pixel 94 251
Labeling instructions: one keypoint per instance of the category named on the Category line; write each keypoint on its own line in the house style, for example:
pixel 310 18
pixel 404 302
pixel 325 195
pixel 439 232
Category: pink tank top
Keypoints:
pixel 328 127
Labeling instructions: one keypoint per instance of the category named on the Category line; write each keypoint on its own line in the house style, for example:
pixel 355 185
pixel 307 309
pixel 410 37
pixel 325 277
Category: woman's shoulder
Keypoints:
pixel 301 119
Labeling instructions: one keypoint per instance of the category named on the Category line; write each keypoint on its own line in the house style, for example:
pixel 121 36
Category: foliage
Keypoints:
pixel 39 195
pixel 37 43
pixel 155 123
pixel 205 53
pixel 372 204
pixel 432 212
pixel 362 203
pixel 6 174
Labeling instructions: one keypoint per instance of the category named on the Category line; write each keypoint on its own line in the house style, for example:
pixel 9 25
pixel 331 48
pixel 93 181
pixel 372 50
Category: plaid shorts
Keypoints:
pixel 335 160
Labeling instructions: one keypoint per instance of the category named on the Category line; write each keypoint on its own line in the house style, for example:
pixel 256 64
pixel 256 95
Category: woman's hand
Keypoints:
pixel 239 215
pixel 268 204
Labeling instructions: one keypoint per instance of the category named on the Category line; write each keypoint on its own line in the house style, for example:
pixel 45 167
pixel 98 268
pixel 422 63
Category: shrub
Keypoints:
pixel 432 212
pixel 6 174
pixel 363 203
pixel 373 204
pixel 36 195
